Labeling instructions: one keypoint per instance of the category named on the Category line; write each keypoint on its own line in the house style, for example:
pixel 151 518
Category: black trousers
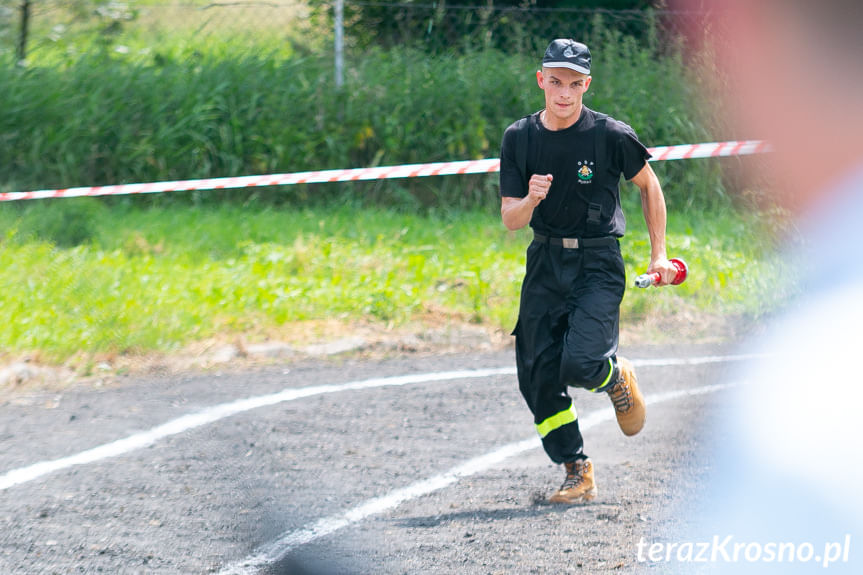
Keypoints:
pixel 567 335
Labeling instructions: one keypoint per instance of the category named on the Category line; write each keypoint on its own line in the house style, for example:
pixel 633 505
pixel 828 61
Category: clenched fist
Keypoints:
pixel 538 186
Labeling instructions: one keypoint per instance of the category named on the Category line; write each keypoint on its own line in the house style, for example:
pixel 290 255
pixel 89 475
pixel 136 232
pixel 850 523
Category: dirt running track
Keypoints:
pixel 384 477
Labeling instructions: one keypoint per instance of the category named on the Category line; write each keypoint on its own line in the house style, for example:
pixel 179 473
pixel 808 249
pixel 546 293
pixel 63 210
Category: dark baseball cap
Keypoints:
pixel 566 53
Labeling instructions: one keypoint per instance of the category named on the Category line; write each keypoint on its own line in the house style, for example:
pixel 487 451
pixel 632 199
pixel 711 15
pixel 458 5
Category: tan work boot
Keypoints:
pixel 627 399
pixel 578 486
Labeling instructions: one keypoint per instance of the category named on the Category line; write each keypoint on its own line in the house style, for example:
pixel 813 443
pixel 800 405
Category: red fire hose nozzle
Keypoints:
pixel 647 280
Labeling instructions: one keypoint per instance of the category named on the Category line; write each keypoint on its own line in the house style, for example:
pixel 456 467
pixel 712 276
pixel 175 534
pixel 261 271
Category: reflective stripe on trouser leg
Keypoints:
pixel 607 378
pixel 556 421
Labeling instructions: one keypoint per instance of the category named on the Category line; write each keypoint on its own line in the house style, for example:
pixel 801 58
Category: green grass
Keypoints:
pixel 191 107
pixel 111 102
pixel 158 279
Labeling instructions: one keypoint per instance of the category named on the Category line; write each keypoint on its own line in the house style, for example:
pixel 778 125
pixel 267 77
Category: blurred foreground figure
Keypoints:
pixel 789 465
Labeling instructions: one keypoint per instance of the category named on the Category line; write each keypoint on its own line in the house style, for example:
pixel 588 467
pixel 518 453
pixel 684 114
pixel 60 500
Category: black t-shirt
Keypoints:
pixel 569 156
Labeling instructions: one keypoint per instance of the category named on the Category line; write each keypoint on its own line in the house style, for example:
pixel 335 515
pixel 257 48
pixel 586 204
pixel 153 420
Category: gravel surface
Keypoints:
pixel 196 501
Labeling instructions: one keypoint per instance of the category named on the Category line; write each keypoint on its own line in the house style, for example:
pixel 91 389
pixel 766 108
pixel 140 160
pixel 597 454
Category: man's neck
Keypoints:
pixel 551 123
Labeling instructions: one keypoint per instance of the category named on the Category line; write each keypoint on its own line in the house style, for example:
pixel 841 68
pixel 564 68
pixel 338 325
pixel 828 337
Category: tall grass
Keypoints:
pixel 173 112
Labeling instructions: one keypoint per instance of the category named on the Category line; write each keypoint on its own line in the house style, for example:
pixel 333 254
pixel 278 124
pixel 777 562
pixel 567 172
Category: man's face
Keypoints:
pixel 563 89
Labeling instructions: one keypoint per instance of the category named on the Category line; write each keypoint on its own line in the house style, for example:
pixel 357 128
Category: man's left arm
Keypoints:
pixel 653 206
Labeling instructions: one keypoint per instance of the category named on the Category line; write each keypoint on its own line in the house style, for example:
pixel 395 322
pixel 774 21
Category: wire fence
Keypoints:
pixel 508 28
pixel 78 25
pixel 28 26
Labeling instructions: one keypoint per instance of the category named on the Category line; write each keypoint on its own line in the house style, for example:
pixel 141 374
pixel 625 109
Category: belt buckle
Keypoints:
pixel 570 243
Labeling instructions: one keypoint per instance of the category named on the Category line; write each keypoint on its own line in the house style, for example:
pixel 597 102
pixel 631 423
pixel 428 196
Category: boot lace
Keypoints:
pixel 574 476
pixel 621 395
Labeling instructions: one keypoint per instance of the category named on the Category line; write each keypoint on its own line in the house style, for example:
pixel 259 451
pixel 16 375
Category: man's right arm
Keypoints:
pixel 516 212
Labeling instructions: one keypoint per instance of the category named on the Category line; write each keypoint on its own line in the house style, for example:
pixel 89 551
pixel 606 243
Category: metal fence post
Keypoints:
pixel 25 28
pixel 340 42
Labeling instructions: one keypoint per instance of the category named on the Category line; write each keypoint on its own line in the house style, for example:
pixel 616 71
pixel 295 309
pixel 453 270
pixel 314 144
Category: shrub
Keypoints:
pixel 66 223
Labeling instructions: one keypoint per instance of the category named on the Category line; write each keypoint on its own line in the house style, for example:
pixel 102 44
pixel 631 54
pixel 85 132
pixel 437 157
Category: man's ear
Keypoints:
pixel 540 81
pixel 587 82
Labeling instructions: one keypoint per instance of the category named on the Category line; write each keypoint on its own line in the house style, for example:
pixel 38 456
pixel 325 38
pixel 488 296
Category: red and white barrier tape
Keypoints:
pixel 708 150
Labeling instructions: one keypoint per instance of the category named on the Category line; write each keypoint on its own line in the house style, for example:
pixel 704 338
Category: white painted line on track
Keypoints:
pixel 221 411
pixel 665 362
pixel 218 412
pixel 290 540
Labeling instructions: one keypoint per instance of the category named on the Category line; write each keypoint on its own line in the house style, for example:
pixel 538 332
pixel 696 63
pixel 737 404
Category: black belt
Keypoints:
pixel 576 243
